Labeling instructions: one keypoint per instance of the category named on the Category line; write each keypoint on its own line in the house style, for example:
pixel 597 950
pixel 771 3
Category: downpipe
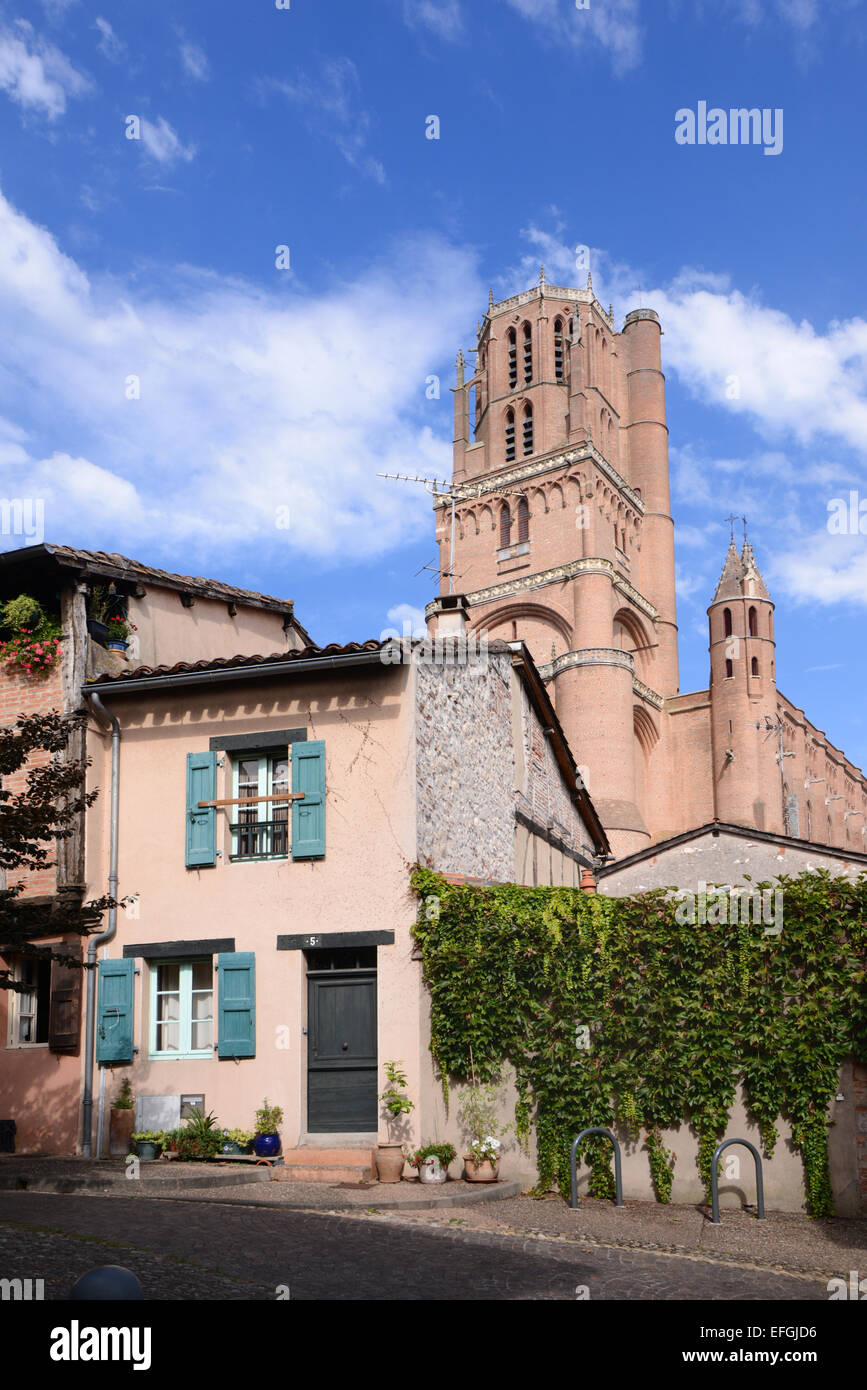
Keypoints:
pixel 107 722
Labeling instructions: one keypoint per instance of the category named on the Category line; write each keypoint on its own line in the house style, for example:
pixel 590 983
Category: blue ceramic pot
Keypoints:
pixel 266 1145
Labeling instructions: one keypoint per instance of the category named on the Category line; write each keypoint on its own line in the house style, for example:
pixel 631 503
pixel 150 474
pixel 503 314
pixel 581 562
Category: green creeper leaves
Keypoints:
pixel 611 1010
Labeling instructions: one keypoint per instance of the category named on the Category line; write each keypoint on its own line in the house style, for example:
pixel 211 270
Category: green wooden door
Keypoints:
pixel 341 1055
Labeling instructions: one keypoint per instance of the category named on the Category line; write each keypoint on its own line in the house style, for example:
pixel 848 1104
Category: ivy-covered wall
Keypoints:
pixel 621 1011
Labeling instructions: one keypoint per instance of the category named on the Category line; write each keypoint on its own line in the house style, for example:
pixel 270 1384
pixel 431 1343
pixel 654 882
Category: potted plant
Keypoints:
pixel 432 1162
pixel 479 1117
pixel 122 1119
pixel 34 645
pixel 390 1157
pixel 118 629
pixel 148 1143
pixel 101 600
pixel 237 1141
pixel 200 1138
pixel 266 1141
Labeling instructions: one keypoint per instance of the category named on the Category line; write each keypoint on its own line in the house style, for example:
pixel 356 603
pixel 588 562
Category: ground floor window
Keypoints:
pixel 182 1008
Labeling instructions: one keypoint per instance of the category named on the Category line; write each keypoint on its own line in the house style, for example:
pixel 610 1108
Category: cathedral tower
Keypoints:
pixel 563 533
pixel 743 693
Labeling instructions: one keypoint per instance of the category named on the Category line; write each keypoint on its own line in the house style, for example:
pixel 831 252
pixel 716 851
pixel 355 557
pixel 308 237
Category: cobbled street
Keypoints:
pixel 204 1250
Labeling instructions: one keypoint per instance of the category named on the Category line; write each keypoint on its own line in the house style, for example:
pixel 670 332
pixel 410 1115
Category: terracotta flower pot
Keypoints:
pixel 480 1171
pixel 121 1126
pixel 389 1162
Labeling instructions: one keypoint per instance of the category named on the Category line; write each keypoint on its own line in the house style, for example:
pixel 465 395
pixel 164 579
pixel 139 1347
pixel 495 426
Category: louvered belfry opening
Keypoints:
pixel 558 349
pixel 510 435
pixel 505 526
pixel 513 359
pixel 523 520
pixel 528 353
pixel 528 429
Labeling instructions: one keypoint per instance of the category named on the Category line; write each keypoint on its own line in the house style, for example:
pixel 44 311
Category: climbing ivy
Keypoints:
pixel 616 1010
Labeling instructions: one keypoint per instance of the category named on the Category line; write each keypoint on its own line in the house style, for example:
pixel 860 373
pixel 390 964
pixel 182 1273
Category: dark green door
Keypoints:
pixel 341 1056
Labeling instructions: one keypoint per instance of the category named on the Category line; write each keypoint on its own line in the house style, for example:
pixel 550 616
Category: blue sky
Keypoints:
pixel 262 388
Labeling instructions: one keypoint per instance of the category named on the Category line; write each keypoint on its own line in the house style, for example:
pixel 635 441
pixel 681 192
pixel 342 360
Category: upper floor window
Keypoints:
pixel 510 435
pixel 729 667
pixel 754 667
pixel 513 358
pixel 30 1008
pixel 505 526
pixel 182 1008
pixel 523 520
pixel 558 349
pixel 727 622
pixel 528 353
pixel 528 429
pixel 753 623
pixel 262 827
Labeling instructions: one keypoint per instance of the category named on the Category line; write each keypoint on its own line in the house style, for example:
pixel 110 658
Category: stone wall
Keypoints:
pixel 542 794
pixel 465 766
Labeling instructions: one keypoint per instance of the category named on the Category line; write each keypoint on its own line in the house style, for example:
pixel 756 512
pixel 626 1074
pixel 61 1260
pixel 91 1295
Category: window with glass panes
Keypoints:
pixel 182 1008
pixel 29 1012
pixel 261 830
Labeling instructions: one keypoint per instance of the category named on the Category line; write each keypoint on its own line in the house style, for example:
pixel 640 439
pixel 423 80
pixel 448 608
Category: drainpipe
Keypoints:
pixel 108 722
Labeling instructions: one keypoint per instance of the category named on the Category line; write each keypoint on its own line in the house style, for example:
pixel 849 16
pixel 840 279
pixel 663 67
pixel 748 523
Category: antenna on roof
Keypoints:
pixel 437 487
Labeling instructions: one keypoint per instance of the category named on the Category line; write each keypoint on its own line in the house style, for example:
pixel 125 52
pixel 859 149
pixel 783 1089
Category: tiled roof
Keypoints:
pixel 224 663
pixel 120 567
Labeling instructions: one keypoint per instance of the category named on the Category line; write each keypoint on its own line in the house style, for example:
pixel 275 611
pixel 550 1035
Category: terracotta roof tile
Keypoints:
pixel 223 663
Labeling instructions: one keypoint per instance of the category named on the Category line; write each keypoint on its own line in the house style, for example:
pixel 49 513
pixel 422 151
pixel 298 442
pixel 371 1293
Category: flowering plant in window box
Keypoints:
pixel 238 1141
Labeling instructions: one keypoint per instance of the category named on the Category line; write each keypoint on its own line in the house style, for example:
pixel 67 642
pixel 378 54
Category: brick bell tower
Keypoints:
pixel 563 529
pixel 743 692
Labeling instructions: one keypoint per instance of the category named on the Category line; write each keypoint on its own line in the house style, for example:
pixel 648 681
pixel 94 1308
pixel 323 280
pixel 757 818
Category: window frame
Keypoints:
pixel 265 758
pixel 185 1010
pixel 13 1040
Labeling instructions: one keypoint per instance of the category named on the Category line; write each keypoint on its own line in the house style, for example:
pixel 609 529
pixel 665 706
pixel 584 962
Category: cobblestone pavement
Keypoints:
pixel 205 1250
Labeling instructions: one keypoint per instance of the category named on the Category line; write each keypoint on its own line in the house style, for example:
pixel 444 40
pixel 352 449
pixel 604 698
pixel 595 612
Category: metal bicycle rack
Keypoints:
pixel 573 1165
pixel 714 1177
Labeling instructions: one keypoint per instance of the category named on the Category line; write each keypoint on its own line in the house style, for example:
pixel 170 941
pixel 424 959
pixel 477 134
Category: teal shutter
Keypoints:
pixel 201 824
pixel 236 1025
pixel 308 816
pixel 114 1010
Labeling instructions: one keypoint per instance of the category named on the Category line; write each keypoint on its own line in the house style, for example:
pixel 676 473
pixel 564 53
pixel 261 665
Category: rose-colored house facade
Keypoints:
pixel 264 949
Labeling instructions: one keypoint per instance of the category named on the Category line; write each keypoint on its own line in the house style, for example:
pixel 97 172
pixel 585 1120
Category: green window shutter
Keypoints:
pixel 308 816
pixel 114 1010
pixel 236 1029
pixel 201 824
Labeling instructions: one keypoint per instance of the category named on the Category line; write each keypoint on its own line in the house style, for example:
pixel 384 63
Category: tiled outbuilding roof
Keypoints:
pixel 225 663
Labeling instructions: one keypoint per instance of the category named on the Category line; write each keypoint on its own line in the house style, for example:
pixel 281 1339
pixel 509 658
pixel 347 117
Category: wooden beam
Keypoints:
pixel 251 800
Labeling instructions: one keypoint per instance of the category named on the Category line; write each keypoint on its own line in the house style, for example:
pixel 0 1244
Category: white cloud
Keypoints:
pixel 443 17
pixel 163 143
pixel 195 61
pixel 330 102
pixel 110 46
pixel 35 74
pixel 406 619
pixel 612 25
pixel 250 400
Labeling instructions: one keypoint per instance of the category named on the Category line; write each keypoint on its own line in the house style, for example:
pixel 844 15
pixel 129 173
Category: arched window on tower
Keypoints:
pixel 528 429
pixel 754 623
pixel 528 353
pixel 558 349
pixel 523 520
pixel 510 435
pixel 513 358
pixel 754 666
pixel 505 526
pixel 727 622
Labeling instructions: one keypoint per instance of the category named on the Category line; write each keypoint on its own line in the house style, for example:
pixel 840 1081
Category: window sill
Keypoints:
pixel 510 552
pixel 24 1047
pixel 257 858
pixel 180 1056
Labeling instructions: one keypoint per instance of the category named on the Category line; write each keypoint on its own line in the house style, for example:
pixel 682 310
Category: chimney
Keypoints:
pixel 588 882
pixel 448 615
